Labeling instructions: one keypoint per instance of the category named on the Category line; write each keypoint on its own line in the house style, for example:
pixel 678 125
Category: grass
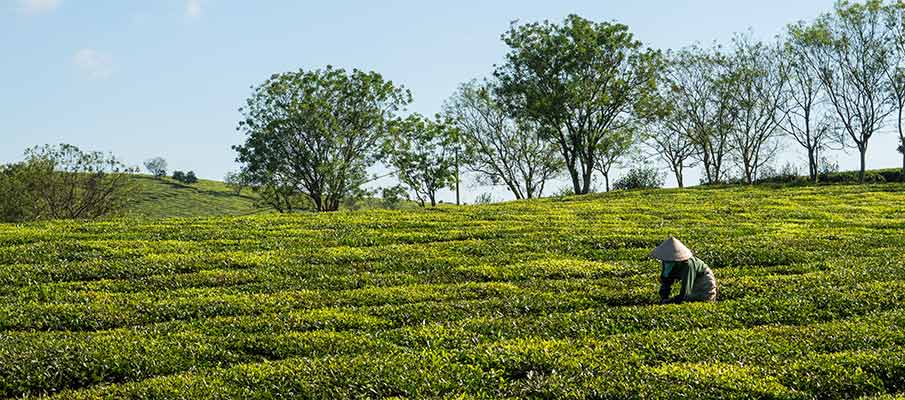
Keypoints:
pixel 164 198
pixel 550 298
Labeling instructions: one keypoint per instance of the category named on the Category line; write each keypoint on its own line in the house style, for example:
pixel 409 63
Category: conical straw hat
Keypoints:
pixel 671 250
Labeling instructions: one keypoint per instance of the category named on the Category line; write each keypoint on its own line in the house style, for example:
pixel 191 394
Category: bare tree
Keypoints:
pixel 612 149
pixel 895 73
pixel 850 52
pixel 157 166
pixel 667 135
pixel 699 80
pixel 758 81
pixel 803 103
pixel 497 148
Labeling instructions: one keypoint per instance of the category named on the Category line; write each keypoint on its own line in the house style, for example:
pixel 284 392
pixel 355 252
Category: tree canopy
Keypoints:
pixel 580 81
pixel 314 133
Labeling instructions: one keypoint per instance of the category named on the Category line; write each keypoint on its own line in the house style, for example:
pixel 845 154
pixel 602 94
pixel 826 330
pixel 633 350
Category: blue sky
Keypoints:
pixel 165 77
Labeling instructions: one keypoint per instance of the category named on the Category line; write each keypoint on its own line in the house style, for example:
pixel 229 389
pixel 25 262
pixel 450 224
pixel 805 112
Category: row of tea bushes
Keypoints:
pixel 551 298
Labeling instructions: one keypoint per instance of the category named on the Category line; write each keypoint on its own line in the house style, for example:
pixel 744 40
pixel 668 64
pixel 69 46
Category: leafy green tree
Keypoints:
pixel 393 196
pixel 16 193
pixel 850 50
pixel 190 178
pixel 279 195
pixel 178 176
pixel 237 181
pixel 64 182
pixel 315 133
pixel 498 148
pixel 421 153
pixel 580 81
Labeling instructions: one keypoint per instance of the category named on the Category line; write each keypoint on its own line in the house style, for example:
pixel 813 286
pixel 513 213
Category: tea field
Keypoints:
pixel 550 298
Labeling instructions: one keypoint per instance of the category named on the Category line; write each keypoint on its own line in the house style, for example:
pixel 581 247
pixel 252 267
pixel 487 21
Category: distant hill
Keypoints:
pixel 168 198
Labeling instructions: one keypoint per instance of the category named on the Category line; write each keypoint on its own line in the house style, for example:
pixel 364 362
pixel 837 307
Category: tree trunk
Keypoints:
pixel 458 203
pixel 812 165
pixel 863 151
pixel 586 181
pixel 677 170
pixel 576 184
pixel 606 178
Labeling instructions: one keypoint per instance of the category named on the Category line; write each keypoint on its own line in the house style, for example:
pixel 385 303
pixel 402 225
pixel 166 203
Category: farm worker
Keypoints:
pixel 698 283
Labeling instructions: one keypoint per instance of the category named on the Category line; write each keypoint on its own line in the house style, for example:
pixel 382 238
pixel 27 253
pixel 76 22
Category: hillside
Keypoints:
pixel 169 198
pixel 551 298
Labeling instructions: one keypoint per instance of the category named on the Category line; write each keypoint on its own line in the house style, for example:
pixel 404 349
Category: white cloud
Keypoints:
pixel 93 63
pixel 33 7
pixel 193 8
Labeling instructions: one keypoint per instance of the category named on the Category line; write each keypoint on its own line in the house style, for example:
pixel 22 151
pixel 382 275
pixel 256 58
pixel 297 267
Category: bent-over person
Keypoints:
pixel 679 264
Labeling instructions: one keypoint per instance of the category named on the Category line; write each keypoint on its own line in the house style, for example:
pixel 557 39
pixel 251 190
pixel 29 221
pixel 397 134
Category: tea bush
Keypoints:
pixel 550 298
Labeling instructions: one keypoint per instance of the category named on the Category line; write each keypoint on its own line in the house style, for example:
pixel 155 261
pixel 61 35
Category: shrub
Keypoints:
pixel 178 176
pixel 640 178
pixel 564 191
pixel 187 178
pixel 484 198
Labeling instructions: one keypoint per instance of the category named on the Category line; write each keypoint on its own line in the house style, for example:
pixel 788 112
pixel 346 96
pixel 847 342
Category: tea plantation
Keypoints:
pixel 550 298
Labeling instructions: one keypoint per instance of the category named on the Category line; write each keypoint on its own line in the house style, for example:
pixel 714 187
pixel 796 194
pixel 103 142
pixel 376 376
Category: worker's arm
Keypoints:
pixel 666 289
pixel 684 289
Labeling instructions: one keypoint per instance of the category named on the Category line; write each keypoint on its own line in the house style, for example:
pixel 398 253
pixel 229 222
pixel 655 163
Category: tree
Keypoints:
pixel 758 81
pixel 316 132
pixel 668 133
pixel 63 182
pixel 895 73
pixel 157 166
pixel 421 153
pixel 499 149
pixel 850 52
pixel 579 81
pixel 190 178
pixel 179 176
pixel 16 192
pixel 278 195
pixel 612 149
pixel 237 181
pixel 803 102
pixel 700 88
pixel 393 196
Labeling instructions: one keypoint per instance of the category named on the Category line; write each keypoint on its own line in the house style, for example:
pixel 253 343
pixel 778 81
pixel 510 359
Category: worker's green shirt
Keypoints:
pixel 698 283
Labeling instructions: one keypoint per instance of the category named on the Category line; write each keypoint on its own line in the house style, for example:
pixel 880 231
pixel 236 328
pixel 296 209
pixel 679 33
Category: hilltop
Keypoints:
pixel 163 198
